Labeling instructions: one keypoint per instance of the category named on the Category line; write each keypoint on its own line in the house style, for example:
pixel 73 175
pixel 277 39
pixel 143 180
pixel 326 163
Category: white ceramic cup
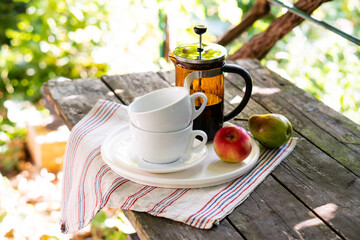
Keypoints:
pixel 165 110
pixel 166 147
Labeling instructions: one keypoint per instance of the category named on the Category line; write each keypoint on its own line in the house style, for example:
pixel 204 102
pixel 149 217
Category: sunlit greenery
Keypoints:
pixel 322 62
pixel 41 40
pixel 46 39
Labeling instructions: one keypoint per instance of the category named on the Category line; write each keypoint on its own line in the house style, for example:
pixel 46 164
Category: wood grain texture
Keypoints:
pixel 281 217
pixel 310 195
pixel 312 119
pixel 73 99
pixel 322 183
pixel 265 206
pixel 151 227
pixel 129 86
pixel 327 184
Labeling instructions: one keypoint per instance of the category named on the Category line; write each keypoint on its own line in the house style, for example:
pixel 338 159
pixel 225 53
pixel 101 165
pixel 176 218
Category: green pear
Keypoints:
pixel 270 130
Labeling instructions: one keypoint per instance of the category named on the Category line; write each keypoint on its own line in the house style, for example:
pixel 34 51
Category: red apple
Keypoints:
pixel 232 143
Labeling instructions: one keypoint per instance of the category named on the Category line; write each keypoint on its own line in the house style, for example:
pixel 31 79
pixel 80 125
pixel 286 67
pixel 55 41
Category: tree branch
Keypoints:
pixel 260 45
pixel 259 9
pixel 167 40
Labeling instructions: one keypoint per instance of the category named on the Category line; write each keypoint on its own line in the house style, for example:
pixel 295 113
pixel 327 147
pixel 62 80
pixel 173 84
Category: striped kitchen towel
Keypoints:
pixel 89 184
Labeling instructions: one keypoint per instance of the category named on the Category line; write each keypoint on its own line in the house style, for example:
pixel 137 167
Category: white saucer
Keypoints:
pixel 118 148
pixel 209 172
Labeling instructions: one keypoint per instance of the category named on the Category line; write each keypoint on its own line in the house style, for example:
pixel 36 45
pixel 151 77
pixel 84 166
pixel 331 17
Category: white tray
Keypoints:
pixel 208 172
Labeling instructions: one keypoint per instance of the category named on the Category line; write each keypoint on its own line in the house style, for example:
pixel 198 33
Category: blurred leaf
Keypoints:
pixel 99 219
pixel 36 45
pixel 2 214
pixel 10 234
pixel 47 237
pixel 323 63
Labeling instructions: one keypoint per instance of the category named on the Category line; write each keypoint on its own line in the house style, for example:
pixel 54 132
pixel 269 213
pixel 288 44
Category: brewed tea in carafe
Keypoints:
pixel 200 67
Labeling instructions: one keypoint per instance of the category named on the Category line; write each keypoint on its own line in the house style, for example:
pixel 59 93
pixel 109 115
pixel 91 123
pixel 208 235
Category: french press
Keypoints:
pixel 200 67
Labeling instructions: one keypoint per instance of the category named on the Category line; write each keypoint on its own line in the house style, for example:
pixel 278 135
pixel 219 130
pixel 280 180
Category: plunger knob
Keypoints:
pixel 200 29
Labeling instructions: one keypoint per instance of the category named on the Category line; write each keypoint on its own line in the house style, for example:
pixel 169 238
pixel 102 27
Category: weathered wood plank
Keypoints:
pixel 150 227
pixel 287 220
pixel 321 114
pixel 313 176
pixel 331 191
pixel 317 127
pixel 327 190
pixel 129 86
pixel 308 172
pixel 72 100
pixel 267 204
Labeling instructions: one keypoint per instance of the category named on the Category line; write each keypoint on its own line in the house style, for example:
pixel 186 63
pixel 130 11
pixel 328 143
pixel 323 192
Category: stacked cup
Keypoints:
pixel 161 124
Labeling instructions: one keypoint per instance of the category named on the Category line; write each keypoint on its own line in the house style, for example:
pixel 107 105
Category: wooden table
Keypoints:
pixel 313 194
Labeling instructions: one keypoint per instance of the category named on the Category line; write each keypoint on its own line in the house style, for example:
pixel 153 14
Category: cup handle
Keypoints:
pixel 194 134
pixel 197 112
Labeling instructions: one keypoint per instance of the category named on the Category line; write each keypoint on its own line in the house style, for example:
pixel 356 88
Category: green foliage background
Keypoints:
pixel 45 39
pixel 38 42
pixel 321 62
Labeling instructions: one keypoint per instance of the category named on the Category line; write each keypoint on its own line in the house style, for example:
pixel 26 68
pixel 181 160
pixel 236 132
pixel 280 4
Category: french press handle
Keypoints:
pixel 233 68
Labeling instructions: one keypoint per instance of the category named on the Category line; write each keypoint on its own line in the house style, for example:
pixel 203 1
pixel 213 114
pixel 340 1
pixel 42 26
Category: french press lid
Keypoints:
pixel 200 53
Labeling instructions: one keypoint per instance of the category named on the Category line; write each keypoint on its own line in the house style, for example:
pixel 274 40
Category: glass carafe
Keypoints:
pixel 200 68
